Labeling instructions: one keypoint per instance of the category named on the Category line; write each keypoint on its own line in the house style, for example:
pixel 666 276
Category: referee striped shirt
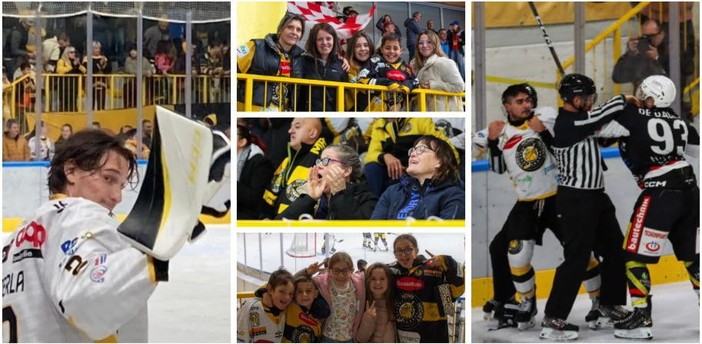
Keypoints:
pixel 575 147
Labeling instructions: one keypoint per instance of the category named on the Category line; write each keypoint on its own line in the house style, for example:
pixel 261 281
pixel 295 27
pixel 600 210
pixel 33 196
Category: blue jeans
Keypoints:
pixel 457 57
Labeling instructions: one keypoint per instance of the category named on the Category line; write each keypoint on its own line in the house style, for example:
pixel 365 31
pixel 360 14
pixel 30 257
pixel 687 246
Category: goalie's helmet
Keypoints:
pixel 575 85
pixel 658 87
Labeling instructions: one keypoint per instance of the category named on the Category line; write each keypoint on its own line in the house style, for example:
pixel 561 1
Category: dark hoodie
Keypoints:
pixel 413 31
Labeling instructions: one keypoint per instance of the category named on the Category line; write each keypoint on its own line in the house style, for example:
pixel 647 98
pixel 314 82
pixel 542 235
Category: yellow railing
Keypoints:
pixel 66 92
pixel 614 31
pixel 347 95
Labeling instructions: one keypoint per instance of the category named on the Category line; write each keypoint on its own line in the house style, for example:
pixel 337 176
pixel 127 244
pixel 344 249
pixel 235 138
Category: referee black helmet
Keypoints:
pixel 576 85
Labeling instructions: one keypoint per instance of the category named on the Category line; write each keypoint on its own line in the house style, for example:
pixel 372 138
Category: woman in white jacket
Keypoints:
pixel 437 72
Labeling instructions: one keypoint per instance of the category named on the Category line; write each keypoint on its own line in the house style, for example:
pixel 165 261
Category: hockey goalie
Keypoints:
pixel 71 271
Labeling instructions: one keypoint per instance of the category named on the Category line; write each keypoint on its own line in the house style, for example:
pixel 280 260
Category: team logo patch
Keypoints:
pixel 408 311
pixel 254 320
pixel 294 190
pixel 515 246
pixel 531 154
pixel 303 334
pixel 406 128
pixel 97 274
pixel 242 50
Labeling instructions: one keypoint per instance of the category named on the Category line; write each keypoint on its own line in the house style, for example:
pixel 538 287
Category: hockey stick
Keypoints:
pixel 549 43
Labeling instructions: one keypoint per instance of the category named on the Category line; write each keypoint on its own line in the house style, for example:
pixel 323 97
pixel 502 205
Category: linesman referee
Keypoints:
pixel 587 215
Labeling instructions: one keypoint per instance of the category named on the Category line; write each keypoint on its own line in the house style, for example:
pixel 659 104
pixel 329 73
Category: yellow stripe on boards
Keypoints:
pixel 668 270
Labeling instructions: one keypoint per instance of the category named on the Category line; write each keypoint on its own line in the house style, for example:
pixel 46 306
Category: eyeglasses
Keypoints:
pixel 404 251
pixel 341 271
pixel 325 161
pixel 419 150
pixel 425 43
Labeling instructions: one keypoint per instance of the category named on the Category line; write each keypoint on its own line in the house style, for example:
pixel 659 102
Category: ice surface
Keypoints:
pixel 194 306
pixel 452 244
pixel 676 318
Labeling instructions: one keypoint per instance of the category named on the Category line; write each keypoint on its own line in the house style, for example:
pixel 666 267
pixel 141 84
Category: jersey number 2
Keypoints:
pixel 661 132
pixel 8 316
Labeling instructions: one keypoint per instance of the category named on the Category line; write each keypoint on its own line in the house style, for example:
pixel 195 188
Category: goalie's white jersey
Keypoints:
pixel 68 276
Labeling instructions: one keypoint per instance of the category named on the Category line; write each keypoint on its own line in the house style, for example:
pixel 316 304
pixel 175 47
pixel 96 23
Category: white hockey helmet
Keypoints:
pixel 658 87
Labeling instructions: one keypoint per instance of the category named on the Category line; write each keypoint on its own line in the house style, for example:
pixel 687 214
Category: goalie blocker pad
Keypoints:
pixel 173 189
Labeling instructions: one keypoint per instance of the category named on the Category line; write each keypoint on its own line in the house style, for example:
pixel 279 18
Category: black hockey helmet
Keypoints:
pixel 513 90
pixel 574 85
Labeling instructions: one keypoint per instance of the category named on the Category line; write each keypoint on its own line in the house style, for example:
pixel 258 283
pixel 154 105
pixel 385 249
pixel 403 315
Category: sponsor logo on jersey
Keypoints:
pixel 13 283
pixel 409 283
pixel 258 331
pixel 99 270
pixel 408 311
pixel 285 68
pixel 637 225
pixel 396 75
pixel 26 253
pixel 512 142
pixel 654 184
pixel 6 250
pixel 68 246
pixel 531 154
pixel 307 319
pixel 33 233
pixel 97 274
pixel 653 246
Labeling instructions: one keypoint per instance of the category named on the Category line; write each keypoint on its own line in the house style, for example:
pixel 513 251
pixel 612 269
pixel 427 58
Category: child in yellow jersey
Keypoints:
pixel 263 318
pixel 304 317
pixel 388 69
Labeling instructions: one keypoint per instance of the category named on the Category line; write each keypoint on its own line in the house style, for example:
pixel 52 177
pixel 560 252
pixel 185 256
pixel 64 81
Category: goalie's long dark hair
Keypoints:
pixel 86 149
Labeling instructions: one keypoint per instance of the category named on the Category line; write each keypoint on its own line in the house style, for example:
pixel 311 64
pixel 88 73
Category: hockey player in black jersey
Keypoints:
pixel 653 142
pixel 587 215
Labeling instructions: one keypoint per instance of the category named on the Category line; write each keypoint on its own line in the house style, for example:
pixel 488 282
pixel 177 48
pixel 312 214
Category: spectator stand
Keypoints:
pixel 87 22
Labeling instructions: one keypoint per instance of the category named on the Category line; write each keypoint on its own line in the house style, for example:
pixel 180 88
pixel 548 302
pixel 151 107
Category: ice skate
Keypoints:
pixel 526 313
pixel 601 316
pixel 493 309
pixel 637 325
pixel 558 330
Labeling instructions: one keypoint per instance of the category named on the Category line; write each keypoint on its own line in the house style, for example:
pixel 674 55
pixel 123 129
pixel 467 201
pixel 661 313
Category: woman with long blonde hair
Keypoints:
pixel 437 72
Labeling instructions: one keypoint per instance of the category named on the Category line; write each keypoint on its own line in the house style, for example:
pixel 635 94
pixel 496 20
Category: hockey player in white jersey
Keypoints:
pixel 520 147
pixel 68 274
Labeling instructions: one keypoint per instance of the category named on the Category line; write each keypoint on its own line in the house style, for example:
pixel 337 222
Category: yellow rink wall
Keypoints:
pixel 668 270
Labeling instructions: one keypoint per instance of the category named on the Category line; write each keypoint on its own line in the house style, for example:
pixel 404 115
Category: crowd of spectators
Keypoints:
pixel 436 62
pixel 344 169
pixel 64 59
